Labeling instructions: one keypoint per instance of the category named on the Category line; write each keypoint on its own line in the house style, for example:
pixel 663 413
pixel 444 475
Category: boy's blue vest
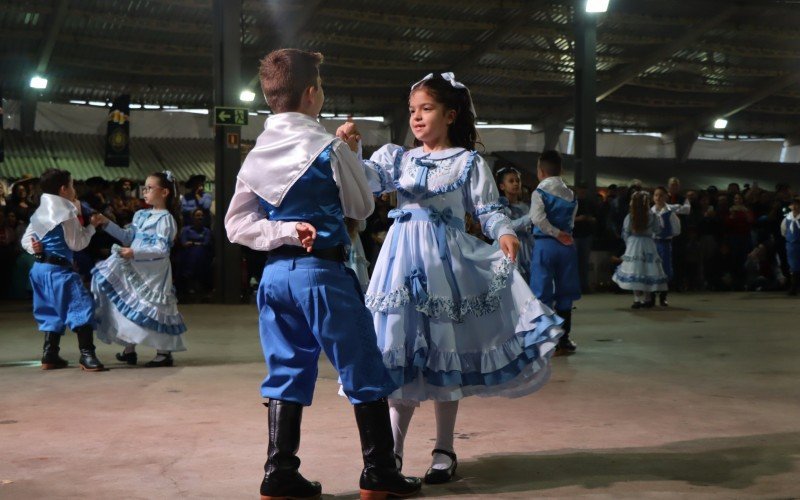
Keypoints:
pixel 666 226
pixel 314 198
pixel 559 213
pixel 54 243
pixel 792 233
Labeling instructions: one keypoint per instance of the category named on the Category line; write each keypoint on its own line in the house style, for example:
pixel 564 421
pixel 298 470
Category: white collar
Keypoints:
pixel 443 154
pixel 285 149
pixel 554 181
pixel 52 211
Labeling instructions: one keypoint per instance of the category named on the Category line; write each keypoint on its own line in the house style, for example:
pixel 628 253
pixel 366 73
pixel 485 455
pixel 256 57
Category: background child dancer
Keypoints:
pixel 790 229
pixel 59 298
pixel 452 315
pixel 136 301
pixel 669 227
pixel 554 265
pixel 640 269
pixel 509 184
pixel 292 194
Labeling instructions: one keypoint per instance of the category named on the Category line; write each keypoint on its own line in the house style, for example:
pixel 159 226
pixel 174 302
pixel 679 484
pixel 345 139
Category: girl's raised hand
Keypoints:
pixel 126 252
pixel 509 244
pixel 306 233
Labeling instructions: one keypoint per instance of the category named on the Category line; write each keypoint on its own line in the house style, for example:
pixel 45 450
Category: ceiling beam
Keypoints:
pixel 630 72
pixel 54 27
pixel 736 104
pixel 491 39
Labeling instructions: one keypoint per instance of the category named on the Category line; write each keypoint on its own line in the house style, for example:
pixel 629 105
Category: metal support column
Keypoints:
pixel 585 98
pixel 226 18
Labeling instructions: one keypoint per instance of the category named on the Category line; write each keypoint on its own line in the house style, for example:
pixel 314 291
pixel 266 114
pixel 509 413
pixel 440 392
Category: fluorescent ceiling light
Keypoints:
pixel 97 103
pixel 37 82
pixel 596 5
pixel 151 106
pixel 720 123
pixel 247 96
pixel 77 102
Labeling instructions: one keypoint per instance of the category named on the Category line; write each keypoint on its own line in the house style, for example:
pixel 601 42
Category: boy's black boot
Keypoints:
pixel 662 298
pixel 380 477
pixel 50 358
pixel 565 345
pixel 795 284
pixel 281 477
pixel 88 360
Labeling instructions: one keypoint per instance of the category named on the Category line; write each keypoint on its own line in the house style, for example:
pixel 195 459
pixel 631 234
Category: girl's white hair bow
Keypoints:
pixel 450 77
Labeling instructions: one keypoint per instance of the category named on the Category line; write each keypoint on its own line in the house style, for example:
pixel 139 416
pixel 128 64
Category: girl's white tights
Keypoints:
pixel 640 296
pixel 445 412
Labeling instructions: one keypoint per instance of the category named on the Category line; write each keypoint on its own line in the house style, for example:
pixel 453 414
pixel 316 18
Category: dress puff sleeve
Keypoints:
pixel 382 167
pixel 160 242
pixel 482 199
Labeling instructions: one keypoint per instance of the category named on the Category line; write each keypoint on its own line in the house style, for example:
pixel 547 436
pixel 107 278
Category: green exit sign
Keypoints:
pixel 230 116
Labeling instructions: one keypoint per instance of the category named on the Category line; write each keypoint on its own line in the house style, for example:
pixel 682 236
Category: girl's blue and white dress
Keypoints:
pixel 135 299
pixel 641 267
pixel 520 216
pixel 453 316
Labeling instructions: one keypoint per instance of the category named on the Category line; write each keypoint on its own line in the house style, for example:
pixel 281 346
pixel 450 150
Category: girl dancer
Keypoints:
pixel 669 226
pixel 641 269
pixel 452 316
pixel 510 185
pixel 133 289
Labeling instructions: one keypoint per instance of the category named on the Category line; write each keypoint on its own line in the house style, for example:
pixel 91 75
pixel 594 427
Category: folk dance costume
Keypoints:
pixel 136 301
pixel 669 226
pixel 554 266
pixel 452 315
pixel 59 298
pixel 310 302
pixel 519 214
pixel 357 258
pixel 790 229
pixel 641 269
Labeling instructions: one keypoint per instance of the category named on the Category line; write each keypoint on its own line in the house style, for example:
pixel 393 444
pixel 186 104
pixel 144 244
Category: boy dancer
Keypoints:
pixel 59 297
pixel 292 194
pixel 554 266
pixel 790 229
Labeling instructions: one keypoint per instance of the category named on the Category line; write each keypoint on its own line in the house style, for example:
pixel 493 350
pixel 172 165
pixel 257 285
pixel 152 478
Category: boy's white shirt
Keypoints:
pixel 54 210
pixel 557 187
pixel 673 210
pixel 283 153
pixel 789 219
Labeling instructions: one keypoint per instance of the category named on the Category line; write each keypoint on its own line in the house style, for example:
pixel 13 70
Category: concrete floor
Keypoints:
pixel 698 401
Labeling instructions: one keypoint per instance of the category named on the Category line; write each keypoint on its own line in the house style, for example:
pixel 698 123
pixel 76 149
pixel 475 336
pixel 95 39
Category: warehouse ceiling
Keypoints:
pixel 662 65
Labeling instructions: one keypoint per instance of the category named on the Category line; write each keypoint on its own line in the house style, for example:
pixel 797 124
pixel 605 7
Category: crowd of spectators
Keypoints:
pixel 730 239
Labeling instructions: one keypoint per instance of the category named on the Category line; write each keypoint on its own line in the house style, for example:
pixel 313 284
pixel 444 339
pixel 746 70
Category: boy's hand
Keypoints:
pixel 126 252
pixel 565 239
pixel 306 233
pixel 98 220
pixel 37 245
pixel 509 245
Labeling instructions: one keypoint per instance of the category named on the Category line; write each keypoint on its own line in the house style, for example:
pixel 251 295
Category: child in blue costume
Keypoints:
pixel 669 226
pixel 454 318
pixel 554 264
pixel 59 298
pixel 133 289
pixel 790 229
pixel 510 185
pixel 641 270
pixel 292 194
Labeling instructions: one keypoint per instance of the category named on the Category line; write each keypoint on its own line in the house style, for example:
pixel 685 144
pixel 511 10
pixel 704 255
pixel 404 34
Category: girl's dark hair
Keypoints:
pixel 640 211
pixel 172 202
pixel 462 131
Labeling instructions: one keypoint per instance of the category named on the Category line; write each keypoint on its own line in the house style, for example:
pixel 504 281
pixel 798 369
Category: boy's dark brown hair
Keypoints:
pixel 550 163
pixel 52 179
pixel 285 74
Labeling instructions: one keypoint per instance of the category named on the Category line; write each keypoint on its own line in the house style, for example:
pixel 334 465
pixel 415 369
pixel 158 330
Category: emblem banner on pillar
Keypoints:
pixel 118 133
